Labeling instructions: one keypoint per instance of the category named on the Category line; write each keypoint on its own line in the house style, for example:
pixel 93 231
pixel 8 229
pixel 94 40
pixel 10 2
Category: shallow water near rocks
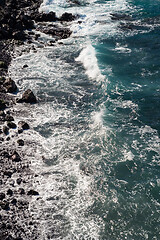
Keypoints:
pixel 95 141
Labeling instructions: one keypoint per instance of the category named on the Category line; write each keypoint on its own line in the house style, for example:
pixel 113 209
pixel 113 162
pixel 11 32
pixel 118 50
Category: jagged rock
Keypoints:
pixel 20 130
pixel 19 35
pixel 3 65
pixel 2 104
pixel 67 17
pixel 9 118
pixel 9 192
pixel 15 157
pixel 5 205
pixel 32 192
pixel 119 16
pixel 61 33
pixel 25 66
pixel 44 17
pixel 2 196
pixel 14 201
pixel 27 97
pixel 19 180
pixel 21 191
pixel 23 125
pixel 10 85
pixel 5 130
pixel 20 142
pixel 8 173
pixel 11 125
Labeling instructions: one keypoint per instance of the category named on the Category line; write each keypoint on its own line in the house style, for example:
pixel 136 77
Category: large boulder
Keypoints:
pixel 10 85
pixel 67 17
pixel 27 97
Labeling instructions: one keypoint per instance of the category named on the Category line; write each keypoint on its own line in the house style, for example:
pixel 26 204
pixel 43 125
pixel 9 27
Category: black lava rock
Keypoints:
pixel 11 125
pixel 10 86
pixel 20 142
pixel 9 192
pixel 23 125
pixel 5 130
pixel 2 196
pixel 32 192
pixel 15 157
pixel 27 97
pixel 19 180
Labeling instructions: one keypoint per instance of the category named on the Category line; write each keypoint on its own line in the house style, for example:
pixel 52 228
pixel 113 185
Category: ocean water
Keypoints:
pixel 94 142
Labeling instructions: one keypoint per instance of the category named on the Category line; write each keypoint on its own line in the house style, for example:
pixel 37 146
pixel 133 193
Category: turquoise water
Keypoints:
pixel 98 122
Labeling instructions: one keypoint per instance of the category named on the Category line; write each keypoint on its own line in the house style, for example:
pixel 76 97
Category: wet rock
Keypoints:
pixel 25 66
pixel 20 142
pixel 3 65
pixel 20 131
pixel 10 85
pixel 8 138
pixel 45 17
pixel 9 118
pixel 15 157
pixel 5 205
pixel 8 173
pixel 5 154
pixel 21 191
pixel 32 192
pixel 14 201
pixel 67 17
pixel 27 97
pixel 11 125
pixel 9 192
pixel 2 104
pixel 2 114
pixel 19 180
pixel 119 16
pixel 23 125
pixel 5 130
pixel 2 196
pixel 19 35
pixel 60 33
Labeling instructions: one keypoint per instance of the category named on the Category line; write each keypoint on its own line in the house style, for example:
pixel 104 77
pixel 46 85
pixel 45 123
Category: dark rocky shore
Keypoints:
pixel 18 19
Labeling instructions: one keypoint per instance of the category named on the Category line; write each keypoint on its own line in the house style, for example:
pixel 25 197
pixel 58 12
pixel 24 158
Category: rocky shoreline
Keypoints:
pixel 18 19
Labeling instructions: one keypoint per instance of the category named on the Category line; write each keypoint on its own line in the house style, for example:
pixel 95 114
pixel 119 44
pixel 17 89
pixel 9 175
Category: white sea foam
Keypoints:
pixel 88 58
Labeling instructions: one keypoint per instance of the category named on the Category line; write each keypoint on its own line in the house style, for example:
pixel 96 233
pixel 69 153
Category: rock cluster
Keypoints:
pixel 16 188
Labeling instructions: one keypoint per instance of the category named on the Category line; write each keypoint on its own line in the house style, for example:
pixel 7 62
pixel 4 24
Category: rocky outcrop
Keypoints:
pixel 27 97
pixel 67 17
pixel 10 85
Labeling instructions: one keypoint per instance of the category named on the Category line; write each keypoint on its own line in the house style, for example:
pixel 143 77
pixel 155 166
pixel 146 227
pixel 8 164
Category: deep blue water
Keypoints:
pixel 98 122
